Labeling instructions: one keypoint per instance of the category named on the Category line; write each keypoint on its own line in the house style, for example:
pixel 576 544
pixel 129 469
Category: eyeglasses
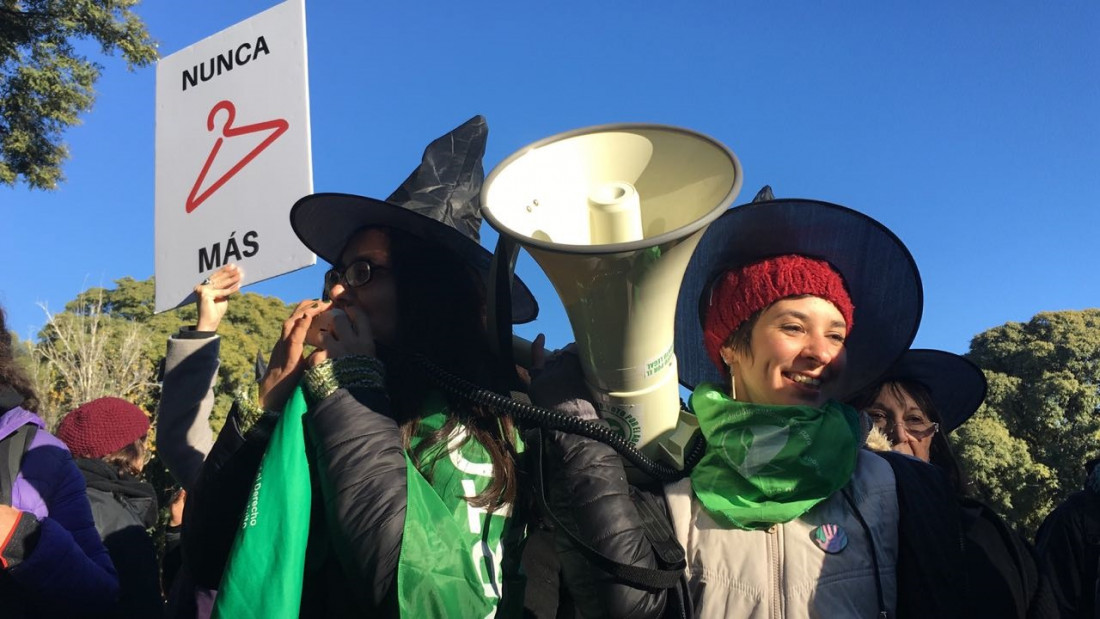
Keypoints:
pixel 918 428
pixel 356 274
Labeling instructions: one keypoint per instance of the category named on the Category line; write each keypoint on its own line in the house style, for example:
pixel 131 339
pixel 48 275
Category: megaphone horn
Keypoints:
pixel 612 214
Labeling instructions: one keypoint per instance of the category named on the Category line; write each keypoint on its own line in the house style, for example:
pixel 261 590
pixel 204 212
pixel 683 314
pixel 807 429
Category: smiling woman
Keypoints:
pixel 799 302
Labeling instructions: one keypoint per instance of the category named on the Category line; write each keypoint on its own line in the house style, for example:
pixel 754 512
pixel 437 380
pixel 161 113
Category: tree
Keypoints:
pixel 89 354
pixel 45 84
pixel 1025 448
pixel 252 324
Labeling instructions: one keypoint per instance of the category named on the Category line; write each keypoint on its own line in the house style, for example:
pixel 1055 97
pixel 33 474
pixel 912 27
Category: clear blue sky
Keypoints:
pixel 970 129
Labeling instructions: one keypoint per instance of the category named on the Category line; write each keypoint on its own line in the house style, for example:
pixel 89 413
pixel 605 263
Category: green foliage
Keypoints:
pixel 45 84
pixel 1025 448
pixel 251 325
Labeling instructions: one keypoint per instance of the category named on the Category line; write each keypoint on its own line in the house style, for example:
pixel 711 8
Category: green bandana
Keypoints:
pixel 769 464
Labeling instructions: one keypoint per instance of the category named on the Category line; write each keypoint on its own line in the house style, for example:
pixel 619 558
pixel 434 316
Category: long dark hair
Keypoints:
pixel 940 452
pixel 441 309
pixel 10 373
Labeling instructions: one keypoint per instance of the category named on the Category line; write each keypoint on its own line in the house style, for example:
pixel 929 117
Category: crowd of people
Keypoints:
pixel 358 480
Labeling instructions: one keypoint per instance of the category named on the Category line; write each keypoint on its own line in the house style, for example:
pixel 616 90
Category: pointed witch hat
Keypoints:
pixel 440 201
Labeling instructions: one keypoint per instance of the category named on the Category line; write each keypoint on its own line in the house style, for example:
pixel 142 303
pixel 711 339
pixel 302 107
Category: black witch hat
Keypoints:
pixel 440 201
pixel 956 385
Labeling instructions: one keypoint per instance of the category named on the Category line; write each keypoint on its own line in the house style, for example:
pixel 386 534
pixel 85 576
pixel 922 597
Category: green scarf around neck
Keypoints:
pixel 767 464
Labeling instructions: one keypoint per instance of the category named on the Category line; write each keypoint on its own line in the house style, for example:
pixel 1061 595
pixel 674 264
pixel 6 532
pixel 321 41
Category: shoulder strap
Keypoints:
pixel 12 449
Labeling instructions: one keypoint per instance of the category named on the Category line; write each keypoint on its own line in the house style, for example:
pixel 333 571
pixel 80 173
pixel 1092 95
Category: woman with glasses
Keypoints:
pixel 924 396
pixel 393 497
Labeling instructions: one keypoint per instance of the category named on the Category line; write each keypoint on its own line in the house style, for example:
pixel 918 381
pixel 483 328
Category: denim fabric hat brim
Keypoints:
pixel 879 271
pixel 956 385
pixel 325 222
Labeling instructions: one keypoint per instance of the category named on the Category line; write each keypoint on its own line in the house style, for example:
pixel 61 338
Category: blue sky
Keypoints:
pixel 972 130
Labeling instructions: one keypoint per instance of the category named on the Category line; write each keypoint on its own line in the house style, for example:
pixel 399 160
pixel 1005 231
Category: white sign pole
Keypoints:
pixel 232 153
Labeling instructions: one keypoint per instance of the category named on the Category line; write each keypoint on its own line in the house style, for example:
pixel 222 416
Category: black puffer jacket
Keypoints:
pixel 216 502
pixel 357 518
pixel 589 495
pixel 360 467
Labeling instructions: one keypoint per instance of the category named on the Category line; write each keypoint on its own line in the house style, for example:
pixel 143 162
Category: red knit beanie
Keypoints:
pixel 739 293
pixel 102 427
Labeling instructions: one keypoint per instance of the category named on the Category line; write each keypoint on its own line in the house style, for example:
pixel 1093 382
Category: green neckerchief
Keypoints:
pixel 450 563
pixel 769 464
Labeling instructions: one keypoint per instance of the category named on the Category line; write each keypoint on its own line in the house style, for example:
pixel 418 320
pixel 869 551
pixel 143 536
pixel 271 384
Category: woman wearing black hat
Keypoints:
pixel 414 486
pixel 923 397
pixel 786 306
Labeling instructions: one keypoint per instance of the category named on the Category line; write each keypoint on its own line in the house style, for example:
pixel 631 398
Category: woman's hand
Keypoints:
pixel 214 296
pixel 286 365
pixel 175 508
pixel 350 334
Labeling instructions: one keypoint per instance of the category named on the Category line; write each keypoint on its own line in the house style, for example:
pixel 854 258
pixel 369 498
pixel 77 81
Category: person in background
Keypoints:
pixel 173 552
pixel 184 436
pixel 919 401
pixel 107 437
pixel 1069 544
pixel 52 561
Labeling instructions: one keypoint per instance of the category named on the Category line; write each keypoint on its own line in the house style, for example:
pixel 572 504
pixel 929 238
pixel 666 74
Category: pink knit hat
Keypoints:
pixel 102 427
pixel 739 293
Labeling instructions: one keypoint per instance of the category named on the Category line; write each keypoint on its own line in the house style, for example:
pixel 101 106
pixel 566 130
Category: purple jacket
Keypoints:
pixel 56 564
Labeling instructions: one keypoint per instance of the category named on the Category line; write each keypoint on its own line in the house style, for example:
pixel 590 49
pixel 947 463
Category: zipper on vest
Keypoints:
pixel 775 562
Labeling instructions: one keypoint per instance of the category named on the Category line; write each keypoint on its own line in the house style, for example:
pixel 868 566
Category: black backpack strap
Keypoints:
pixel 12 448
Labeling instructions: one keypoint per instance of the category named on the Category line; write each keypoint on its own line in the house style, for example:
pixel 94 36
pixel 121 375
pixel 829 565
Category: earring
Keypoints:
pixel 733 386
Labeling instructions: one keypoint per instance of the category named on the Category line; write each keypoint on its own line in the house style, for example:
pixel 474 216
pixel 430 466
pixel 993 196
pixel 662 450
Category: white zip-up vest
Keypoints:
pixel 782 572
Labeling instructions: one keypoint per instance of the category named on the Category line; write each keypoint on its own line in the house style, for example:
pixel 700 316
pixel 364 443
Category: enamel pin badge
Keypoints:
pixel 830 537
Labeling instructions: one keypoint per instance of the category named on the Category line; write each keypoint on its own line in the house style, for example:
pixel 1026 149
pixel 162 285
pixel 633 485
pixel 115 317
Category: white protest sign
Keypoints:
pixel 232 153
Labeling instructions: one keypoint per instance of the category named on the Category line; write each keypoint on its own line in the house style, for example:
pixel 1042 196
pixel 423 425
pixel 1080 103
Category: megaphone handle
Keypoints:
pixel 500 300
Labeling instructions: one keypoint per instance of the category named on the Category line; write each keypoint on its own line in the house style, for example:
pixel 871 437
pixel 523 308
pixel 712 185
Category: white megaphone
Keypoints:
pixel 612 214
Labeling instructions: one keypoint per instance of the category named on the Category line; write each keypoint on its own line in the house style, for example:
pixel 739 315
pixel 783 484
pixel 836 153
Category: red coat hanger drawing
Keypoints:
pixel 277 127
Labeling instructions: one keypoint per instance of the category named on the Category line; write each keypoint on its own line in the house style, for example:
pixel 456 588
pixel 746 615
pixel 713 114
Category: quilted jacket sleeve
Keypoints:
pixel 589 494
pixel 360 466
